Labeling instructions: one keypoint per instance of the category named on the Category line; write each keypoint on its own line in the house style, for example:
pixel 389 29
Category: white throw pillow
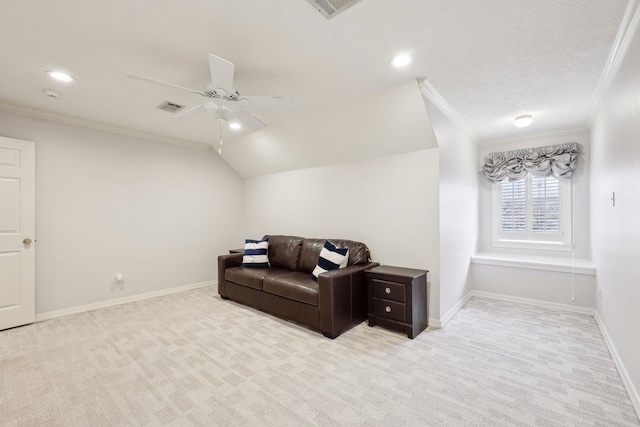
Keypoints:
pixel 256 254
pixel 331 258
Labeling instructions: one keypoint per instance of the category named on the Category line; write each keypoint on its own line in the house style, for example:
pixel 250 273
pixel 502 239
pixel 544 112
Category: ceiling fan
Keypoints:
pixel 222 100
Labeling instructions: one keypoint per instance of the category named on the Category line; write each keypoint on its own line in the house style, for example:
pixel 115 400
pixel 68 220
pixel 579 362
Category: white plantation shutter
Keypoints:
pixel 533 210
pixel 513 206
pixel 545 205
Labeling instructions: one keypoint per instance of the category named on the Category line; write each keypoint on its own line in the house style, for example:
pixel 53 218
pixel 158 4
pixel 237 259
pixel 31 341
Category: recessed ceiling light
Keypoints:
pixel 235 125
pixel 523 120
pixel 60 76
pixel 401 60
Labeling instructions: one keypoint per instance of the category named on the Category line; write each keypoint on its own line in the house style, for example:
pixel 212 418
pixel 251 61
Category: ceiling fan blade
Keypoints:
pixel 191 112
pixel 159 83
pixel 249 120
pixel 273 102
pixel 221 73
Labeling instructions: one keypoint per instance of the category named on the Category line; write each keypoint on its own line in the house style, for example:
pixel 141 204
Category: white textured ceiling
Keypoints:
pixel 490 60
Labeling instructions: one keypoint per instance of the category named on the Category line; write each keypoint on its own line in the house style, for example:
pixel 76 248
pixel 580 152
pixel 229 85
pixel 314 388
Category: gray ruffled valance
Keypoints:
pixel 557 160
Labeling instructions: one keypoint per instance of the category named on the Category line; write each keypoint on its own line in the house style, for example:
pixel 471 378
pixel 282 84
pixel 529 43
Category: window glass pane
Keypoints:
pixel 513 208
pixel 545 205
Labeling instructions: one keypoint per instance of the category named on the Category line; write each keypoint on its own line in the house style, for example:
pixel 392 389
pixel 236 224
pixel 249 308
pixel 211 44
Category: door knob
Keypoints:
pixel 26 242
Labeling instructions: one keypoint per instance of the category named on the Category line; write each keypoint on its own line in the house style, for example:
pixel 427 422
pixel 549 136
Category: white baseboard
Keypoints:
pixel 455 309
pixel 434 323
pixel 440 323
pixel 94 306
pixel 540 303
pixel 624 375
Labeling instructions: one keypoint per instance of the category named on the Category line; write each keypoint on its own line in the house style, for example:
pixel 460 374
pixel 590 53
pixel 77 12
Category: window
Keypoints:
pixel 532 213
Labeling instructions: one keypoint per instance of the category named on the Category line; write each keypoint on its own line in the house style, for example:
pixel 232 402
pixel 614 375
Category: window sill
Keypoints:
pixel 528 244
pixel 563 265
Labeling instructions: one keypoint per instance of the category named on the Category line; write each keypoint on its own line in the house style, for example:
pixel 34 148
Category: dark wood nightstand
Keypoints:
pixel 398 299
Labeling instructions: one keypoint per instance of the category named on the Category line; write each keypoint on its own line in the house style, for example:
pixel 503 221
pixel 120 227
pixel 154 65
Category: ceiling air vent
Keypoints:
pixel 331 8
pixel 170 107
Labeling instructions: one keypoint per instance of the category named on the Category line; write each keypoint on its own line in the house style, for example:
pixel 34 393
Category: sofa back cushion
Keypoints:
pixel 284 251
pixel 310 252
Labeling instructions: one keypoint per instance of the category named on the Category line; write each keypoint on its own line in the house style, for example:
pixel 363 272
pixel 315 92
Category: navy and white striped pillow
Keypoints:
pixel 255 254
pixel 331 258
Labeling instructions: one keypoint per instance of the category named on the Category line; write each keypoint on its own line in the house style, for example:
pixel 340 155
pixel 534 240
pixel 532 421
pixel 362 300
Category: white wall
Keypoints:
pixel 550 286
pixel 458 157
pixel 615 231
pixel 390 203
pixel 106 203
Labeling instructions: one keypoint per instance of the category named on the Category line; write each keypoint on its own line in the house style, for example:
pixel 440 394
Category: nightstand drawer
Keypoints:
pixel 388 290
pixel 389 309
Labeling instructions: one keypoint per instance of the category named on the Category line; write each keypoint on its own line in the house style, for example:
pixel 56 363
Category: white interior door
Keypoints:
pixel 17 228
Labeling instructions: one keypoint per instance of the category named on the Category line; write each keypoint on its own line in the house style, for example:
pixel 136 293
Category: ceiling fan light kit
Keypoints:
pixel 222 100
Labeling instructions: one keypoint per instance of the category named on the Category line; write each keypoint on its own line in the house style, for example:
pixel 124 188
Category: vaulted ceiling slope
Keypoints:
pixel 490 60
pixel 387 122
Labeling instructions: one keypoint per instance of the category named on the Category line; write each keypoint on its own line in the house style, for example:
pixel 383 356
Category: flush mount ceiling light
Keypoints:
pixel 401 60
pixel 235 125
pixel 523 120
pixel 60 76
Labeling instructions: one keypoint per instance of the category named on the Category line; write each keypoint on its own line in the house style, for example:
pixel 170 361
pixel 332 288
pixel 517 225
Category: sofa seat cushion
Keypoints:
pixel 252 277
pixel 297 286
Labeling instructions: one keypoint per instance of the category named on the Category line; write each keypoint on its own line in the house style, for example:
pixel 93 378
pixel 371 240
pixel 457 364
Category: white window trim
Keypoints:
pixel 565 244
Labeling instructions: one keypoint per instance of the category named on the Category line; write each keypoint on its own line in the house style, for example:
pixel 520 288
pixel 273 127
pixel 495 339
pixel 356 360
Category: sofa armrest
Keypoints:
pixel 224 262
pixel 342 298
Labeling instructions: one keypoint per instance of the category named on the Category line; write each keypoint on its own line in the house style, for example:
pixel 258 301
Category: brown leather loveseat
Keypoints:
pixel 331 305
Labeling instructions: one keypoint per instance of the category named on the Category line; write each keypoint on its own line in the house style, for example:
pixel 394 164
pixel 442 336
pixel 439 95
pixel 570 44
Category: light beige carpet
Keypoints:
pixel 192 359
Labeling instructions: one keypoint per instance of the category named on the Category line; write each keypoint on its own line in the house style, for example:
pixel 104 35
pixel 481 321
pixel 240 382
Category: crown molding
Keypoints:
pixel 626 33
pixel 535 135
pixel 432 95
pixel 41 114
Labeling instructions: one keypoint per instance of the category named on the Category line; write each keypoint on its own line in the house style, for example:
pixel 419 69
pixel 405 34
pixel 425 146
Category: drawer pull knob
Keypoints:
pixel 388 290
pixel 387 309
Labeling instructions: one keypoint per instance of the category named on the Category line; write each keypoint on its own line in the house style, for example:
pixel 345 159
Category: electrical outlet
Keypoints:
pixel 119 278
pixel 600 293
